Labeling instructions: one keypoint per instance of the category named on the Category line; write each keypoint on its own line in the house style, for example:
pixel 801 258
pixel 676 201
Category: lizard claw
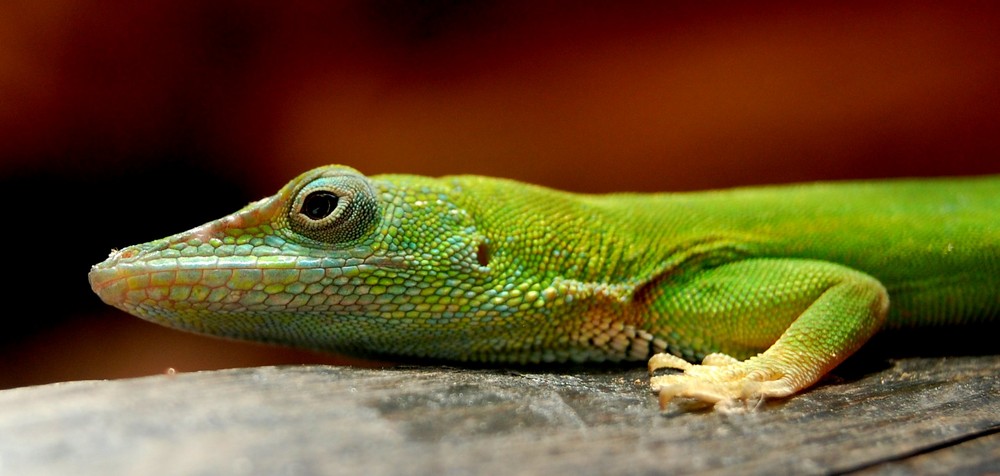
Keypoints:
pixel 722 381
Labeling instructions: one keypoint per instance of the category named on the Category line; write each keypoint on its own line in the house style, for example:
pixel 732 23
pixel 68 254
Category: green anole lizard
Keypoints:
pixel 772 286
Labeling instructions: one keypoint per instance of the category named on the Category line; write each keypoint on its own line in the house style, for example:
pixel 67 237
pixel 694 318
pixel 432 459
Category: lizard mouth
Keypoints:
pixel 108 279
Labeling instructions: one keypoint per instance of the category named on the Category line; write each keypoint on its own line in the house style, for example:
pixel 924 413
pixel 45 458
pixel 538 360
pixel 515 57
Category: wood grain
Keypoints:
pixel 915 415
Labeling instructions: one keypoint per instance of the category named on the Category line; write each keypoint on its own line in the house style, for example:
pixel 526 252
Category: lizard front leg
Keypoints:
pixel 806 316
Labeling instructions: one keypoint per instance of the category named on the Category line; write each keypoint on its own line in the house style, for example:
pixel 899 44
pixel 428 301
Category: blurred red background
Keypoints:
pixel 121 122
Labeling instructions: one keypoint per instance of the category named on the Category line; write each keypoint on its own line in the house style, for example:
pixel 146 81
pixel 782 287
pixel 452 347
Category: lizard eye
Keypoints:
pixel 334 209
pixel 319 205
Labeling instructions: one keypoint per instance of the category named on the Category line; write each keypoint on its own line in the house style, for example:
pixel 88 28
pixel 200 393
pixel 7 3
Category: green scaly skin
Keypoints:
pixel 792 279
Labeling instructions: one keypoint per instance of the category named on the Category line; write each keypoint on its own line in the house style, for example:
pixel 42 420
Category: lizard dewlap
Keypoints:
pixel 771 286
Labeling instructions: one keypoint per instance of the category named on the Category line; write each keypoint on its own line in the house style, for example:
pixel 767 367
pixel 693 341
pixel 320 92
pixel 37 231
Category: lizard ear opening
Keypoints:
pixel 335 209
pixel 483 254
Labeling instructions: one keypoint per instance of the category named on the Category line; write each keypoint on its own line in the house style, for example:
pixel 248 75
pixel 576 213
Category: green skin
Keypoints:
pixel 481 269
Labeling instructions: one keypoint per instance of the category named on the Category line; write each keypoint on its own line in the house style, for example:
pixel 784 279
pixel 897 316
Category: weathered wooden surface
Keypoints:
pixel 917 415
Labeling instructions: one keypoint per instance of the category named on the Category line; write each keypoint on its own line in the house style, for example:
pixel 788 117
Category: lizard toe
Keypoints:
pixel 726 383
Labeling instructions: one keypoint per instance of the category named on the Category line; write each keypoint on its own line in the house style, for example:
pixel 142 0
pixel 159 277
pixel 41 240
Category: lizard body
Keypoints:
pixel 771 286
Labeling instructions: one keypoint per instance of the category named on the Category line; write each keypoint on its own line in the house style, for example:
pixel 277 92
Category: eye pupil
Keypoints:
pixel 319 205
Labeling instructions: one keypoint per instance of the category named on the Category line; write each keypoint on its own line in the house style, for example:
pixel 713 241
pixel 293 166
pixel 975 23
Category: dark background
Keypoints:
pixel 122 122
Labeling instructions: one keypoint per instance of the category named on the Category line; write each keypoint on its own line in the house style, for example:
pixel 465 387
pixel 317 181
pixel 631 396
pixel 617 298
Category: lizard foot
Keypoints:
pixel 728 384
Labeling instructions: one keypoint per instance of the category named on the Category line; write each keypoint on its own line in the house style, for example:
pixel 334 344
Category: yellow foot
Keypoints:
pixel 728 384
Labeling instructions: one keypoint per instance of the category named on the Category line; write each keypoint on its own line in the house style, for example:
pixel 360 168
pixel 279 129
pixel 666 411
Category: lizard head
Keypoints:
pixel 335 261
